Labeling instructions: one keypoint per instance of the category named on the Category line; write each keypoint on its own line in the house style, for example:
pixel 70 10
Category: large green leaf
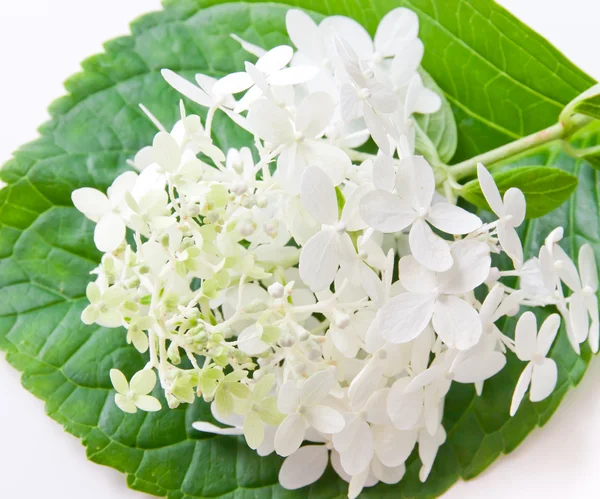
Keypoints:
pixel 503 81
pixel 545 188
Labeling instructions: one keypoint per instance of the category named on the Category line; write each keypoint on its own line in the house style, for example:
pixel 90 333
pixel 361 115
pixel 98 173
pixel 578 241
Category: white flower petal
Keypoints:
pixel 406 62
pixel 319 260
pixel 267 120
pixel 385 211
pixel 275 59
pixel 511 243
pixel 147 403
pixel 373 339
pixel 350 32
pixel 217 430
pixel 119 381
pixel 250 342
pixel 357 451
pixel 456 322
pixel 491 303
pixel 303 467
pixel 377 408
pixel 479 367
pixel 351 211
pixel 290 435
pixel 490 191
pixel 350 104
pixel 317 194
pixel 421 348
pixel 425 378
pixel 293 76
pixel 325 419
pixel 383 172
pixel 393 446
pixel 394 28
pixel 525 336
pixel 376 126
pixel 386 474
pixel 405 316
pixel 166 152
pixel 330 158
pixel 415 277
pixel 428 449
pixel 547 334
pixel 345 341
pixel 268 445
pixel 254 430
pixel 428 101
pixel 317 387
pixel 91 202
pixel 314 114
pixel 588 268
pixel 567 270
pixel 521 388
pixel 233 83
pixel 109 232
pixel 303 33
pixel 428 248
pixel 453 219
pixel 123 184
pixel 471 267
pixel 363 385
pixel 143 382
pixel 594 335
pixel 288 397
pixel 253 94
pixel 187 88
pixel 578 315
pixel 249 47
pixel 515 205
pixel 404 409
pixel 420 179
pixel 543 380
pixel 125 404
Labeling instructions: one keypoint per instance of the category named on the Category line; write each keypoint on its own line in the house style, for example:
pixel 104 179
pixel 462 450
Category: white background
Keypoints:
pixel 41 43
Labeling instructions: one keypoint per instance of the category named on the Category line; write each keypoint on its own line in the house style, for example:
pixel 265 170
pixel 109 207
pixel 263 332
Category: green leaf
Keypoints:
pixel 545 188
pixel 587 103
pixel 503 81
pixel 439 127
pixel 590 107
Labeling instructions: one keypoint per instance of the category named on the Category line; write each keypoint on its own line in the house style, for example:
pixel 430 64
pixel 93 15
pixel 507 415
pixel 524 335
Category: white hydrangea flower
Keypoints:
pixel 411 205
pixel 331 247
pixel 106 210
pixel 308 291
pixel 432 296
pixel 133 396
pixel 510 212
pixel 541 373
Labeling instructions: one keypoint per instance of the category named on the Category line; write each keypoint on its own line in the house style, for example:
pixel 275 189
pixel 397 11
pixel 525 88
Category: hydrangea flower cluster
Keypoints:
pixel 307 297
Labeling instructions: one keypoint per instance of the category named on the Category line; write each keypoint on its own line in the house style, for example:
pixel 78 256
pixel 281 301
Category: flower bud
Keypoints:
pixel 271 229
pixel 262 201
pixel 276 290
pixel 340 319
pixel 173 354
pixel 287 341
pixel 239 187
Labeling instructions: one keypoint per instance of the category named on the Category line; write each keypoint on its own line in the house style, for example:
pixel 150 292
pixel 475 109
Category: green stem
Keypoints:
pixel 559 131
pixel 580 153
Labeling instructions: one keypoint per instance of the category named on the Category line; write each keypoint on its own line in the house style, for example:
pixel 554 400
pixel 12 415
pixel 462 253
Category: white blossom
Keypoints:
pixel 541 372
pixel 323 301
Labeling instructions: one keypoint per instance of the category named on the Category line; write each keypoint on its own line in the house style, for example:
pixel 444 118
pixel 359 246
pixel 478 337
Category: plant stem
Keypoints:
pixel 558 131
